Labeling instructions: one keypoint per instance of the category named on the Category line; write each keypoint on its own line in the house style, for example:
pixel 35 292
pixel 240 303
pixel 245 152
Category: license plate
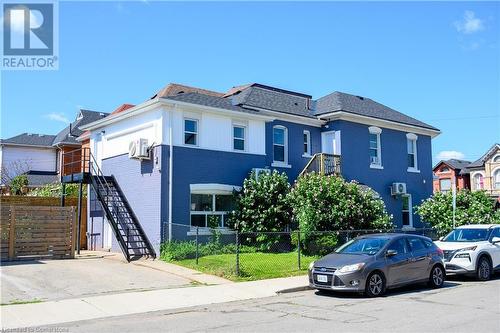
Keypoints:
pixel 322 278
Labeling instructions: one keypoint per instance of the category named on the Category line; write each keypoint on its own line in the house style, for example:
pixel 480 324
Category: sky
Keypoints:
pixel 436 61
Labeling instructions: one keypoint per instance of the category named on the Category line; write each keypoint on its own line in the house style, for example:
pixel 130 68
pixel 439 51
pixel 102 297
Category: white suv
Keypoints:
pixel 472 249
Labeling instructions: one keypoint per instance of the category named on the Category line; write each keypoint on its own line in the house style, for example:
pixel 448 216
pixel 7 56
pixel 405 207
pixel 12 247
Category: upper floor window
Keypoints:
pixel 307 143
pixel 445 169
pixel 280 144
pixel 238 137
pixel 497 158
pixel 496 179
pixel 375 147
pixel 191 132
pixel 411 144
pixel 478 181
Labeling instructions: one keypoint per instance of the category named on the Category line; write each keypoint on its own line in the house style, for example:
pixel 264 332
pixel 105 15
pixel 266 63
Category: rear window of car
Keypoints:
pixel 416 244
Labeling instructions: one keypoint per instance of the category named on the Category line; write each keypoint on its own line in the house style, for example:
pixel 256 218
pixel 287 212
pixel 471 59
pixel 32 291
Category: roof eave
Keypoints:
pixel 349 116
pixel 25 145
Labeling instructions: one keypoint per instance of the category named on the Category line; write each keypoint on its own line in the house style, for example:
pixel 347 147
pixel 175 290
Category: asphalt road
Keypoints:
pixel 461 306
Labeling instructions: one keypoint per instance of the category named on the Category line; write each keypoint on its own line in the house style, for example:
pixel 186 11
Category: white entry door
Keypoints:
pixel 330 142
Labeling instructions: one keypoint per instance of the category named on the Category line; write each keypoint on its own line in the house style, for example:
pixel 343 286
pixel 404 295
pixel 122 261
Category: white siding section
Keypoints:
pixel 16 159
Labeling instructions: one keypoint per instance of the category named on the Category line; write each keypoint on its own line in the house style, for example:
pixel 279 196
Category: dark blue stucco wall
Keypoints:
pixel 141 184
pixel 295 146
pixel 356 164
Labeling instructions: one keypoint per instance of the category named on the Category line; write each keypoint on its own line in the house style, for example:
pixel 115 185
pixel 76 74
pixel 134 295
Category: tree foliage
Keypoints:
pixel 55 190
pixel 17 184
pixel 471 208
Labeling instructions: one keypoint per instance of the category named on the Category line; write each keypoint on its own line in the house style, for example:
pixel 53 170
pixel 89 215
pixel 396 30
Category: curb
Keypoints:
pixel 293 290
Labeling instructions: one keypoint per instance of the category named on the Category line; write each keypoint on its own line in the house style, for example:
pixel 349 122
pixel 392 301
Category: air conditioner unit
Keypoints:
pixel 139 149
pixel 259 171
pixel 398 188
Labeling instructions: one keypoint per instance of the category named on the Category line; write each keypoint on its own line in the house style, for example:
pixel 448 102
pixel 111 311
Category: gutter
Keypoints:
pixel 170 172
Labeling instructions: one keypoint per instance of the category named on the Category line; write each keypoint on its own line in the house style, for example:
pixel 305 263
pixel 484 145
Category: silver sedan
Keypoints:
pixel 373 263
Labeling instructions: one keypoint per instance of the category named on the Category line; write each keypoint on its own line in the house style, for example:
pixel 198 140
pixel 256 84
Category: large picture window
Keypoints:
pixel 210 210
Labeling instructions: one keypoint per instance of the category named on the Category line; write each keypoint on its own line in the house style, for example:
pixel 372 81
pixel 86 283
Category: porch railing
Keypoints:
pixel 325 164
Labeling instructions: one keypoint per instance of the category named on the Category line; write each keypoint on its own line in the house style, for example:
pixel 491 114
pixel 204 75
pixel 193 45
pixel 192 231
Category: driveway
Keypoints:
pixel 462 306
pixel 43 280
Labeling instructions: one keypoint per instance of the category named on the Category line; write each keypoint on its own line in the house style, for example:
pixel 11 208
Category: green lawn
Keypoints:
pixel 253 266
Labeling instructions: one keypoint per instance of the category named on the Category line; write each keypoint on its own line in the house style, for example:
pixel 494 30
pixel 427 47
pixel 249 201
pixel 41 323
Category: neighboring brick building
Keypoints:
pixel 451 171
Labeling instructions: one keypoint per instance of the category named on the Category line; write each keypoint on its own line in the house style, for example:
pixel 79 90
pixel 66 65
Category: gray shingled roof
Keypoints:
pixel 460 165
pixel 212 101
pixel 480 162
pixel 338 101
pixel 30 139
pixel 84 117
pixel 273 99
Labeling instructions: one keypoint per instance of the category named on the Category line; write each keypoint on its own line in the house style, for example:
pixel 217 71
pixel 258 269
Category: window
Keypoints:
pixel 210 210
pixel 416 244
pixel 411 144
pixel 375 149
pixel 496 179
pixel 280 145
pixel 445 169
pixel 497 158
pixel 238 137
pixel 407 211
pixel 307 143
pixel 191 132
pixel 478 181
pixel 399 245
pixel 445 185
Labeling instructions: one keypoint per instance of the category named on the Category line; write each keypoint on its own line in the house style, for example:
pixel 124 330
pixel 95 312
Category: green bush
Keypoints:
pixel 55 190
pixel 262 206
pixel 471 208
pixel 317 244
pixel 323 203
pixel 17 184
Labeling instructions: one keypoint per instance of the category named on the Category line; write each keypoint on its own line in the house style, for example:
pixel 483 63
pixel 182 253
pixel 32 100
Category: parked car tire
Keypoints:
pixel 375 284
pixel 437 277
pixel 483 271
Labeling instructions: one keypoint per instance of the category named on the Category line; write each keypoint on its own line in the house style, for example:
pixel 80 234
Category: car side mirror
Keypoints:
pixel 495 240
pixel 391 253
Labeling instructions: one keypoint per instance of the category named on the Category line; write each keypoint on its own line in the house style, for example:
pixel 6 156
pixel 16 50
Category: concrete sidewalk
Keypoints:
pixel 84 308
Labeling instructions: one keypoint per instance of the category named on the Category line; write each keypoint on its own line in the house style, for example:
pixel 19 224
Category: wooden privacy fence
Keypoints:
pixel 25 200
pixel 37 232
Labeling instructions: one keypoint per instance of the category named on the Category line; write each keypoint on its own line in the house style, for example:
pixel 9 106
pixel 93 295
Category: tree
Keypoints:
pixel 17 184
pixel 329 203
pixel 471 208
pixel 261 205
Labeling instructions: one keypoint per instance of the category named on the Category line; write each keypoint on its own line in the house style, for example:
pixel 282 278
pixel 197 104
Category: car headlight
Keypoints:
pixel 470 248
pixel 351 268
pixel 311 265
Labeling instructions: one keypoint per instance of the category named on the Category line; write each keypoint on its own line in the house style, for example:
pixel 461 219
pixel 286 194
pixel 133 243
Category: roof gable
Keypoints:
pixel 489 154
pixel 69 134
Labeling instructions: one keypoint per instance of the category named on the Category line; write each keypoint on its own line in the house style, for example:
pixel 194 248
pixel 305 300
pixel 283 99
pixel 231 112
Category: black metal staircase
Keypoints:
pixel 125 224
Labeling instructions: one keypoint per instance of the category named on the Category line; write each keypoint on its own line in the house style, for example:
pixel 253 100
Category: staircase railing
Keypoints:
pixel 322 163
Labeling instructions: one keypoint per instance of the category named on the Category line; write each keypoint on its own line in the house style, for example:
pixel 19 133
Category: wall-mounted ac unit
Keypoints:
pixel 139 149
pixel 259 171
pixel 398 188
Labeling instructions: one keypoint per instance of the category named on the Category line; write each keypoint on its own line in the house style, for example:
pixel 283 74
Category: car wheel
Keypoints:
pixel 436 280
pixel 483 271
pixel 375 285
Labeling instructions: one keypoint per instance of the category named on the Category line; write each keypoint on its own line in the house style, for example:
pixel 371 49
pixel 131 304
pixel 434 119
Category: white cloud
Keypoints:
pixel 17 20
pixel 449 154
pixel 470 23
pixel 58 117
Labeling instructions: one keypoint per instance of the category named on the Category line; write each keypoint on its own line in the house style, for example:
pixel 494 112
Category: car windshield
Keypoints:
pixel 368 246
pixel 467 235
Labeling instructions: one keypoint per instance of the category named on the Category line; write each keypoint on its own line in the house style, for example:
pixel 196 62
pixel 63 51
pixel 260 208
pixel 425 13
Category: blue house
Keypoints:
pixel 176 158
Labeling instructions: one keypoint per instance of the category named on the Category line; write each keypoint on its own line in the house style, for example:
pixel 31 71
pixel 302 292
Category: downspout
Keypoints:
pixel 170 171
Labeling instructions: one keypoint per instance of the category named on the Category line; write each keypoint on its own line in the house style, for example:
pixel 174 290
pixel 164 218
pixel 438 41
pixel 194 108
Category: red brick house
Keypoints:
pixel 448 172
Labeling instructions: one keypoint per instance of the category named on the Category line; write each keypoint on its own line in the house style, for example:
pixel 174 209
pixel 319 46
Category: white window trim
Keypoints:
pixel 245 136
pixel 493 159
pixel 493 182
pixel 377 131
pixel 413 138
pixel 308 153
pixel 184 132
pixel 410 211
pixel 281 164
pixel 474 184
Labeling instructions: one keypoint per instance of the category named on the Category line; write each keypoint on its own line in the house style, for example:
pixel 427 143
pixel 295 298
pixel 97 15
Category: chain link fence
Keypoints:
pixel 258 255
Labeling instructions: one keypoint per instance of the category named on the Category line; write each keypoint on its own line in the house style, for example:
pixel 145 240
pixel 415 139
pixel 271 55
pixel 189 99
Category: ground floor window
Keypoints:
pixel 407 211
pixel 445 185
pixel 210 210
